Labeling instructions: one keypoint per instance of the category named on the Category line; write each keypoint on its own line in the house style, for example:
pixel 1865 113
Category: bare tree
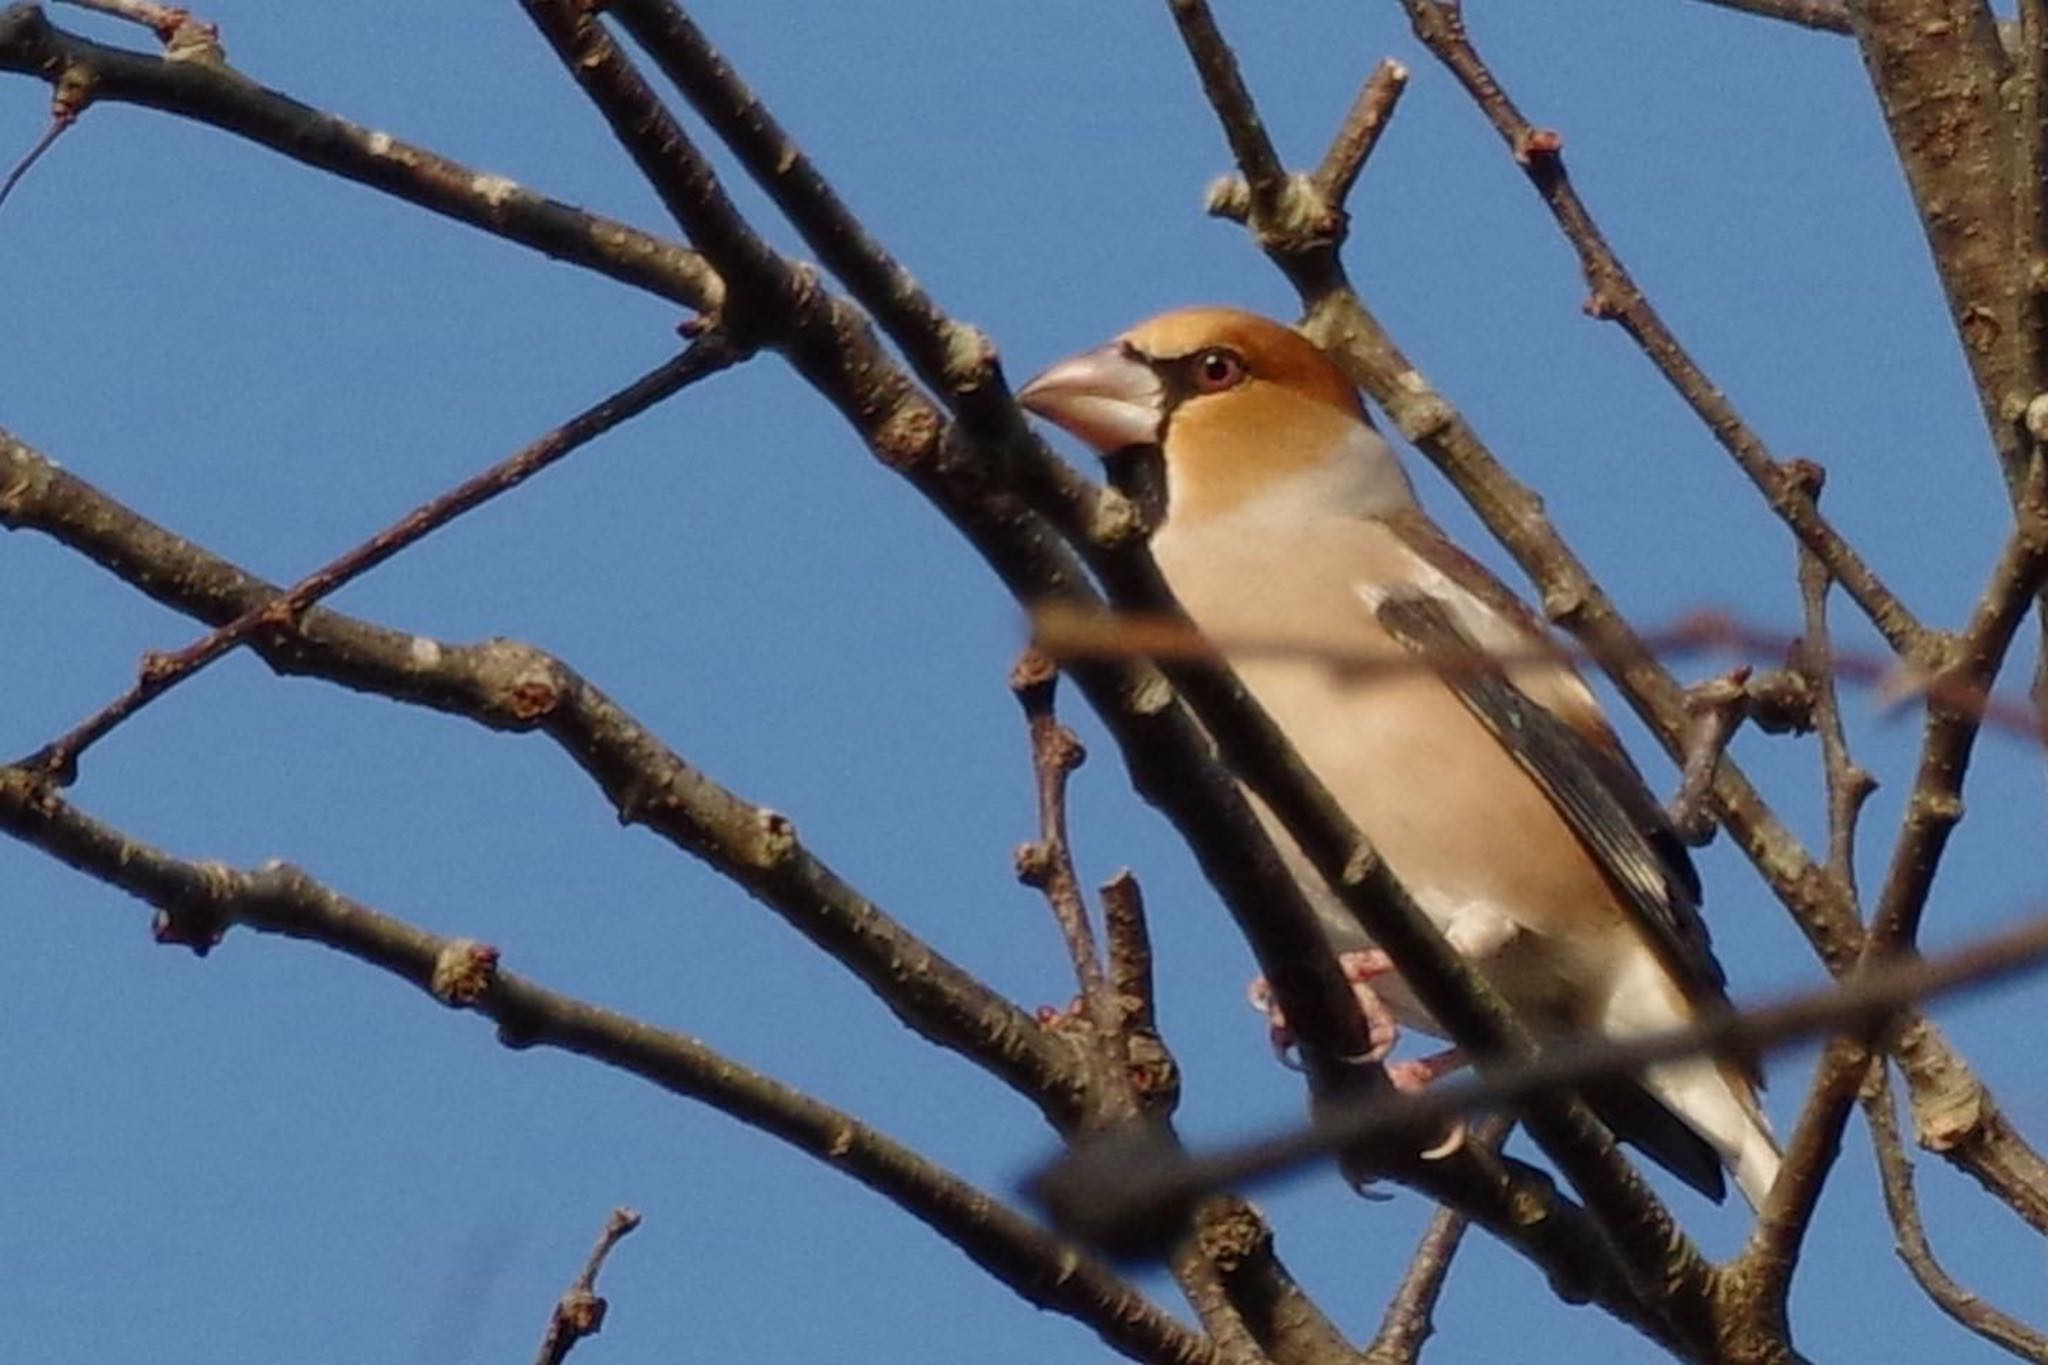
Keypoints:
pixel 1962 98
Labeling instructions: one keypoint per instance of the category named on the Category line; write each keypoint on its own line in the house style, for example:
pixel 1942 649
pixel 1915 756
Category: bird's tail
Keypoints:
pixel 1718 1102
pixel 1713 1097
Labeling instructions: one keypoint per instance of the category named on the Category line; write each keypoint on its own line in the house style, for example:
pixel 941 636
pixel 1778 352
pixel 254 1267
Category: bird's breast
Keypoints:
pixel 1459 822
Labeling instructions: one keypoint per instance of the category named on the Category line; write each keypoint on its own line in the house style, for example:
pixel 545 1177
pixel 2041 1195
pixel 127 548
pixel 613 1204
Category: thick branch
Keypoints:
pixel 832 347
pixel 955 360
pixel 509 686
pixel 217 95
pixel 196 901
pixel 1114 1192
pixel 1937 68
pixel 1972 1133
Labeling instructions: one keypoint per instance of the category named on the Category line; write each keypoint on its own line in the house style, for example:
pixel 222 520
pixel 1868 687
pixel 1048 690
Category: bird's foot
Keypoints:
pixel 1361 969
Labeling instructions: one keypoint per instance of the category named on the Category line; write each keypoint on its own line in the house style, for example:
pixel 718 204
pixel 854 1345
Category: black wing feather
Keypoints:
pixel 1605 802
pixel 1600 795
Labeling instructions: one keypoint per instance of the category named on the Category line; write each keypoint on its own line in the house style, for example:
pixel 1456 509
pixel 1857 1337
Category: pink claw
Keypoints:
pixel 1360 968
pixel 1412 1075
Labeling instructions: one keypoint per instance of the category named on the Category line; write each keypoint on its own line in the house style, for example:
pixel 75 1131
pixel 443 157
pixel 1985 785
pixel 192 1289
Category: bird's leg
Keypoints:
pixel 1361 969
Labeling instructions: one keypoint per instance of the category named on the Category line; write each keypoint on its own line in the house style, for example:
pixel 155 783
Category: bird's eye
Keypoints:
pixel 1217 369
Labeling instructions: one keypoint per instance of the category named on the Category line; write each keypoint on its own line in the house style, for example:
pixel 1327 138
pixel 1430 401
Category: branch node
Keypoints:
pixel 970 357
pixel 1118 521
pixel 2036 417
pixel 775 840
pixel 1228 196
pixel 192 40
pixel 1781 701
pixel 1033 862
pixel 1717 708
pixel 1536 146
pixel 197 919
pixel 464 972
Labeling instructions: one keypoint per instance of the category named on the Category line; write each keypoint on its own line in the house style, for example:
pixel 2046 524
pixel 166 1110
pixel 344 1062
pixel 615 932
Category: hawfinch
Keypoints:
pixel 1497 794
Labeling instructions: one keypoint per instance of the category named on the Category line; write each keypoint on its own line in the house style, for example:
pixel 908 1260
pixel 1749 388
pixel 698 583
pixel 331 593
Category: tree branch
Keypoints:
pixel 1616 296
pixel 505 685
pixel 196 902
pixel 954 359
pixel 1902 1206
pixel 707 355
pixel 1167 753
pixel 223 98
pixel 1934 805
pixel 1359 134
pixel 580 1312
pixel 1957 1111
pixel 1849 784
pixel 1937 68
pixel 832 347
pixel 1829 16
pixel 1119 1192
pixel 1410 1318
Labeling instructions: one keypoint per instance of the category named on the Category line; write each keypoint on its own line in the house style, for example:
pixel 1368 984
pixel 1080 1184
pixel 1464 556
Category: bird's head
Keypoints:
pixel 1238 405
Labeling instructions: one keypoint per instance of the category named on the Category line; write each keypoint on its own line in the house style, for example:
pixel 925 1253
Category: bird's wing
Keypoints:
pixel 1571 755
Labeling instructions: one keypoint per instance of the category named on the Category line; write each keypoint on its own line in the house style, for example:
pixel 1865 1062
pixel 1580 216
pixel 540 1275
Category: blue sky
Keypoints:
pixel 277 1154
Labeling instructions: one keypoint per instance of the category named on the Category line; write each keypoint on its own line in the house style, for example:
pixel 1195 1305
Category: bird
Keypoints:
pixel 1497 792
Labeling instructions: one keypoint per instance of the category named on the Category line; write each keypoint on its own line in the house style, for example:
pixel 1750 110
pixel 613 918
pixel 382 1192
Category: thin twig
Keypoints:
pixel 1895 1173
pixel 1130 949
pixel 1410 1318
pixel 1122 1191
pixel 196 901
pixel 1849 783
pixel 1248 1293
pixel 1957 1113
pixel 1829 16
pixel 1360 131
pixel 1047 865
pixel 1718 707
pixel 69 97
pixel 1763 1272
pixel 213 94
pixel 507 685
pixel 162 20
pixel 580 1312
pixel 706 356
pixel 1068 633
pixel 1934 805
pixel 1616 296
pixel 1265 177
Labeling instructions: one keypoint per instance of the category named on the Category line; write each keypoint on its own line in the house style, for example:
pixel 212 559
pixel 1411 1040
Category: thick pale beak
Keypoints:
pixel 1106 396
